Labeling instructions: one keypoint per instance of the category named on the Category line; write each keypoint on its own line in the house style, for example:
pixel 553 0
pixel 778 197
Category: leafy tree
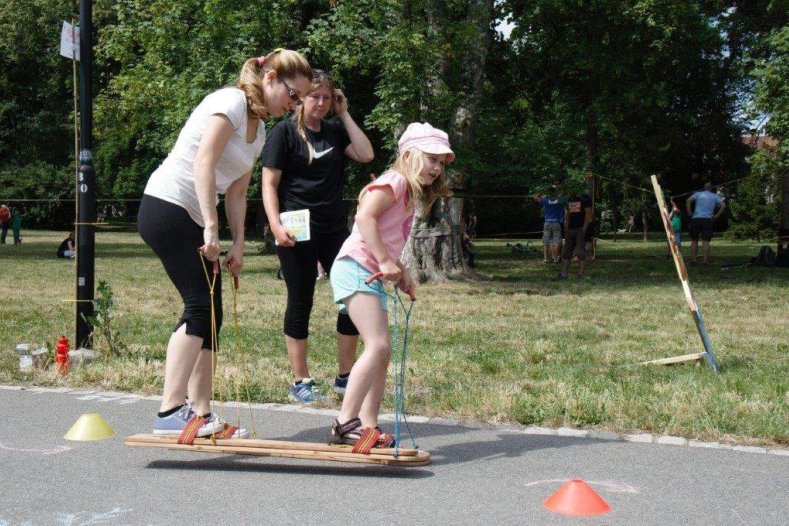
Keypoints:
pixel 441 81
pixel 772 97
pixel 47 191
pixel 641 83
pixel 160 58
pixel 36 84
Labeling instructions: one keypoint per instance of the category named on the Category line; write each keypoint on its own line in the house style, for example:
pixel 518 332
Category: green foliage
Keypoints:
pixel 755 211
pixel 105 336
pixel 628 88
pixel 641 85
pixel 50 190
pixel 35 82
pixel 772 94
pixel 160 59
pixel 759 202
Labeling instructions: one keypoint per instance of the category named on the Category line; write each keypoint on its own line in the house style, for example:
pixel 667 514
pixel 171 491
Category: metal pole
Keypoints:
pixel 86 182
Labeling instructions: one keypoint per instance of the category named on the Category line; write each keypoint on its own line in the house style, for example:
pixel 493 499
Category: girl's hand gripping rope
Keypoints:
pixel 380 275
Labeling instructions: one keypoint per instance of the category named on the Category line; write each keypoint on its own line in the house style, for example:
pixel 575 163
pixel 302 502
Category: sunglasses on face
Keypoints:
pixel 292 93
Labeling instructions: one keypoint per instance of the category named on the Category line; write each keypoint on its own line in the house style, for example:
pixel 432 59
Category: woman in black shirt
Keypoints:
pixel 304 162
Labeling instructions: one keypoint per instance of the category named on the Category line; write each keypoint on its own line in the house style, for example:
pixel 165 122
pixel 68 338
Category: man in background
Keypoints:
pixel 553 209
pixel 701 220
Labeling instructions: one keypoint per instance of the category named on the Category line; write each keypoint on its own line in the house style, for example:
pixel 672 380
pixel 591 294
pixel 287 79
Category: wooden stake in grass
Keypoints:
pixel 683 277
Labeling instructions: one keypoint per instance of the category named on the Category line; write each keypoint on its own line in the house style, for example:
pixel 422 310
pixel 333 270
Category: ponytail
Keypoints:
pixel 287 63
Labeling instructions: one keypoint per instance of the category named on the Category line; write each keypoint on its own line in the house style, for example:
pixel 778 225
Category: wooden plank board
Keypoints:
pixel 677 359
pixel 284 449
pixel 682 271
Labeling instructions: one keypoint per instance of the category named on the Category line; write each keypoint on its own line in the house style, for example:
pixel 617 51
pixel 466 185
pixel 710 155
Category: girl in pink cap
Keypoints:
pixel 382 225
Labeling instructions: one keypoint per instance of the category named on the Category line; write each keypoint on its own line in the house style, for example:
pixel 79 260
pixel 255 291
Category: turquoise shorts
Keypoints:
pixel 348 277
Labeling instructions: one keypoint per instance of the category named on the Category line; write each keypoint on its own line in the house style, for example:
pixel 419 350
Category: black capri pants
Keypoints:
pixel 299 269
pixel 175 238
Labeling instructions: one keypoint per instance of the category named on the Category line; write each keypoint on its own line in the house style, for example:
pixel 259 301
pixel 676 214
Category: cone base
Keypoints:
pixel 577 498
pixel 90 426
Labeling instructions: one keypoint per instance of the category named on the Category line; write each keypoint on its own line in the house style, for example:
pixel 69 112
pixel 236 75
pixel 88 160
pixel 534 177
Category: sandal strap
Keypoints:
pixel 367 441
pixel 347 427
pixel 384 440
pixel 189 433
pixel 227 432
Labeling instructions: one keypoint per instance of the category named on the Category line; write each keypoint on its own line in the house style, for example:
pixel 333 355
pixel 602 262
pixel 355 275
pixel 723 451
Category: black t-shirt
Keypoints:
pixel 576 210
pixel 63 247
pixel 316 186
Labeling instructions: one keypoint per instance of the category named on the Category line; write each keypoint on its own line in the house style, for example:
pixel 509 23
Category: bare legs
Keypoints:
pixel 297 354
pixel 367 382
pixel 187 370
pixel 705 249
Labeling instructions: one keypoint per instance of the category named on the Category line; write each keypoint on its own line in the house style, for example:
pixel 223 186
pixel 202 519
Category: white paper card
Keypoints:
pixel 298 223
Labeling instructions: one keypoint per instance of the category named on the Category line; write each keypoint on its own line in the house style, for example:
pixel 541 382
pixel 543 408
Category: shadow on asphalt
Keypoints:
pixel 502 445
pixel 245 463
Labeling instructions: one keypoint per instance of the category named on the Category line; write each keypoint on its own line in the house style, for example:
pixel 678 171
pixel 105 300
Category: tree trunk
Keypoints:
pixel 644 218
pixel 783 228
pixel 434 251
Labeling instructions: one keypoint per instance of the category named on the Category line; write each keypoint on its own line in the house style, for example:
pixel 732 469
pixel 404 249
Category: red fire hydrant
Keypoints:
pixel 61 354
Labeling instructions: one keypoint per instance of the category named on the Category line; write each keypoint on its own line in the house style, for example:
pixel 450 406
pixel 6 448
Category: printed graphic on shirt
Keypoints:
pixel 318 155
pixel 574 207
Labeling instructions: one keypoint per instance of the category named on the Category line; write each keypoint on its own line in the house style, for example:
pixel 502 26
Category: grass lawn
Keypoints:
pixel 515 346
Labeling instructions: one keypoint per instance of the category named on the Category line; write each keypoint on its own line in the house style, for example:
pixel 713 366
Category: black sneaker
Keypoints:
pixel 340 384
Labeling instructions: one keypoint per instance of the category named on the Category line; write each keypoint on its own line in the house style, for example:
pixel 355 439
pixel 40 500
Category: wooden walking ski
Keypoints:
pixel 284 449
pixel 683 277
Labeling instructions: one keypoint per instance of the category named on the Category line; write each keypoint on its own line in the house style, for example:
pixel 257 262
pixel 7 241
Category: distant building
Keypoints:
pixel 757 141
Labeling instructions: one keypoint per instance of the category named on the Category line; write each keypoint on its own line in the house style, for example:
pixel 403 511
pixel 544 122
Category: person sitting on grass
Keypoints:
pixel 66 249
pixel 383 223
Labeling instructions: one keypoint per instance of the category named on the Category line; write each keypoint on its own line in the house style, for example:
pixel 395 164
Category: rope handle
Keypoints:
pixel 216 271
pixel 380 275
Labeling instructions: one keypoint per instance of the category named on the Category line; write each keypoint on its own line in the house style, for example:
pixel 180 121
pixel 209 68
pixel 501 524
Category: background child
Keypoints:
pixel 675 216
pixel 383 223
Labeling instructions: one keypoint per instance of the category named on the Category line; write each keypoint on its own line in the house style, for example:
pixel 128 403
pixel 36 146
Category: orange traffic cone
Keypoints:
pixel 576 497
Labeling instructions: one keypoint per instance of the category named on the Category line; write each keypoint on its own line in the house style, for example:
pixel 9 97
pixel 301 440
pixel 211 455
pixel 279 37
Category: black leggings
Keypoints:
pixel 299 269
pixel 175 238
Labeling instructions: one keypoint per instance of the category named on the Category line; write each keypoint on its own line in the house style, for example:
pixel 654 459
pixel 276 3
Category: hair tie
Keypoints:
pixel 261 61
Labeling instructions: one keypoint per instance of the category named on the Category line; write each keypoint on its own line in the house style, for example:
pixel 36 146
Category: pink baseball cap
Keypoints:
pixel 424 137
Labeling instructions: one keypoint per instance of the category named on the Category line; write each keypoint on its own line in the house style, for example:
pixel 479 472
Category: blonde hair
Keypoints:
pixel 319 78
pixel 409 164
pixel 287 63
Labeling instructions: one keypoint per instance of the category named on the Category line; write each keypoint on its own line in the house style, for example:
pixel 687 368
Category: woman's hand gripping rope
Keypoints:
pixel 230 430
pixel 232 265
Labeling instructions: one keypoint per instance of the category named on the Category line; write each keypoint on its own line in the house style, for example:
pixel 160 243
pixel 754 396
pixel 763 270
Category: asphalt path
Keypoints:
pixel 477 475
